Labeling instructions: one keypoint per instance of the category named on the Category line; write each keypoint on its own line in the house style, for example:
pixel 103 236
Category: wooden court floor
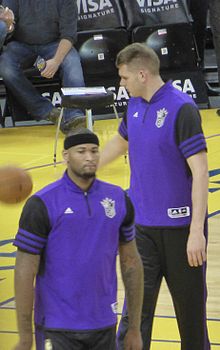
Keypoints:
pixel 32 148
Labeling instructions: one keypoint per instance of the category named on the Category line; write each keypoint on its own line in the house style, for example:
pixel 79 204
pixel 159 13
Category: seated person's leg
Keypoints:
pixel 72 76
pixel 11 62
pixel 3 32
pixel 71 70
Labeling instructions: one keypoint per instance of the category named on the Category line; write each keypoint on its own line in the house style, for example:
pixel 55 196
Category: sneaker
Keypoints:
pixel 53 116
pixel 76 122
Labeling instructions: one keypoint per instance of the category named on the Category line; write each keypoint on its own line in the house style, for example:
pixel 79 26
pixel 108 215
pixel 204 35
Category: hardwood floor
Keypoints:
pixel 32 148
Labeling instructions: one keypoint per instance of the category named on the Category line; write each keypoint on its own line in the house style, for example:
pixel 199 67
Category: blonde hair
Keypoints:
pixel 139 55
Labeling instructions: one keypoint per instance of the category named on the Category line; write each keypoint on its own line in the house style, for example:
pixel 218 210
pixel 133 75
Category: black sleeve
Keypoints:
pixel 129 217
pixel 122 130
pixel 188 123
pixel 127 229
pixel 34 217
pixel 34 227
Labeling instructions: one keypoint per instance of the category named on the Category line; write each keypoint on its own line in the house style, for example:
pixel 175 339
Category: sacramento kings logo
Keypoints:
pixel 109 206
pixel 161 116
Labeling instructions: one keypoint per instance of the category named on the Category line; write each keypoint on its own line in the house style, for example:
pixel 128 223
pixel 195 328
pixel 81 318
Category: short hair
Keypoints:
pixel 139 55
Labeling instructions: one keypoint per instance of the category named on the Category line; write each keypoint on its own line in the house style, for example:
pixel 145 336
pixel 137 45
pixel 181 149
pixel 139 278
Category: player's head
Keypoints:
pixel 81 153
pixel 139 56
pixel 137 63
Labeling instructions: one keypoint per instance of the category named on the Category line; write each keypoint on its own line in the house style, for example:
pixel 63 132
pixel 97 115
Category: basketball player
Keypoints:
pixel 68 237
pixel 169 189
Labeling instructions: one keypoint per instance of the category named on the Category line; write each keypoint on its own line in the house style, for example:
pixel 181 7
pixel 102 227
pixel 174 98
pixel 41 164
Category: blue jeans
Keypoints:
pixel 11 62
pixel 3 32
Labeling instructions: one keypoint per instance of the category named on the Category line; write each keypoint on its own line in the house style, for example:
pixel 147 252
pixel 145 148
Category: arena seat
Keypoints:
pixel 98 50
pixel 152 13
pixel 169 43
pixel 96 14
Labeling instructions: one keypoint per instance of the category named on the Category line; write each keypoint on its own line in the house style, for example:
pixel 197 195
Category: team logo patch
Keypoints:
pixel 161 116
pixel 48 344
pixel 176 213
pixel 109 206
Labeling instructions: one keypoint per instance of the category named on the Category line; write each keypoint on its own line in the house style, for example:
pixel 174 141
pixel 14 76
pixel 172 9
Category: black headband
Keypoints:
pixel 80 139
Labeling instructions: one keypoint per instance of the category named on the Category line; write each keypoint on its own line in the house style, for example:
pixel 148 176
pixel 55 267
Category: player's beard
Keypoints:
pixel 87 176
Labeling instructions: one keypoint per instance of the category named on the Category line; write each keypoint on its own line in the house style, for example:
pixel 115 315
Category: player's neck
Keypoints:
pixel 152 87
pixel 83 183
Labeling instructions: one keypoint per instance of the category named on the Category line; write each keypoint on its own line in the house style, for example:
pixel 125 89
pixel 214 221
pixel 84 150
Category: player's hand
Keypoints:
pixel 196 248
pixel 51 68
pixel 133 340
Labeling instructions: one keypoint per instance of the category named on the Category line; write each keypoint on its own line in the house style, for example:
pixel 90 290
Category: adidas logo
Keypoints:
pixel 68 211
pixel 135 115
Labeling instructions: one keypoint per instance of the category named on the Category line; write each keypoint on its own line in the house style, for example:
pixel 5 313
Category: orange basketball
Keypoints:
pixel 15 184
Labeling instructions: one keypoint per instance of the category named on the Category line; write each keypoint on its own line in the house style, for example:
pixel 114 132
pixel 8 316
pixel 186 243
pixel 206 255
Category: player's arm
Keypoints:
pixel 132 276
pixel 31 238
pixel 117 146
pixel 192 144
pixel 196 246
pixel 26 269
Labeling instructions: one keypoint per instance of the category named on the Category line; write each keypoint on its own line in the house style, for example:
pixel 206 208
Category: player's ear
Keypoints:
pixel 65 155
pixel 142 75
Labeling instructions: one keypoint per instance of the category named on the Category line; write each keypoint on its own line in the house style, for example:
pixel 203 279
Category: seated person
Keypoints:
pixel 47 29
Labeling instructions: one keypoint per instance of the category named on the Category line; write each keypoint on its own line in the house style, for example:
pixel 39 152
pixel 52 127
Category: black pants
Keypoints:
pixel 92 340
pixel 163 253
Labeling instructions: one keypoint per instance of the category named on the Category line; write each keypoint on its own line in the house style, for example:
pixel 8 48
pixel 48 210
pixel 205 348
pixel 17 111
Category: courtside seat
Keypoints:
pixel 168 41
pixel 98 50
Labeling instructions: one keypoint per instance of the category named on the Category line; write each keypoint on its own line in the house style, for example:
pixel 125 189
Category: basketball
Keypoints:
pixel 15 184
